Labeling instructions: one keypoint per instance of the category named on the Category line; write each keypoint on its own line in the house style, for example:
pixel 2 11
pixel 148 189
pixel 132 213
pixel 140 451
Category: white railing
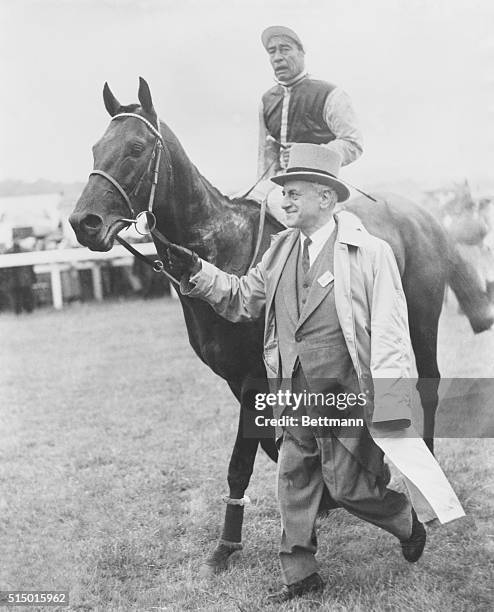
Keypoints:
pixel 52 256
pixel 56 260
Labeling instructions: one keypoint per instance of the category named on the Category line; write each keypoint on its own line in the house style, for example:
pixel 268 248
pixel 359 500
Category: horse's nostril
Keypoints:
pixel 91 222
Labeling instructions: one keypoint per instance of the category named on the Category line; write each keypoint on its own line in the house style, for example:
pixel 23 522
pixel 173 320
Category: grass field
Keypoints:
pixel 113 455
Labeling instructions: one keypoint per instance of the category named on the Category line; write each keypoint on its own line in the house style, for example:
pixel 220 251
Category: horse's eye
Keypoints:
pixel 136 148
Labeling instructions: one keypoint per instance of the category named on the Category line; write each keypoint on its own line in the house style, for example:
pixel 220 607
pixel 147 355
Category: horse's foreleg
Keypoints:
pixel 239 473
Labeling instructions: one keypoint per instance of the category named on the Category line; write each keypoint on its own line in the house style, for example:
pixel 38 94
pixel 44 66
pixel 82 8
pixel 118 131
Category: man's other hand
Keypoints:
pixel 180 261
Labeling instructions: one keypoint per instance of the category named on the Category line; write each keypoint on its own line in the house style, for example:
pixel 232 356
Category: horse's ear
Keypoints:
pixel 144 96
pixel 112 105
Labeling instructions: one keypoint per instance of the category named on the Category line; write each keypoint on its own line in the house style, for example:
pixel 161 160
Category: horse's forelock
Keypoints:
pixel 131 108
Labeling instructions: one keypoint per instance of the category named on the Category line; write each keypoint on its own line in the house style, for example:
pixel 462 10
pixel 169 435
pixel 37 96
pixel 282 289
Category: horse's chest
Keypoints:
pixel 230 350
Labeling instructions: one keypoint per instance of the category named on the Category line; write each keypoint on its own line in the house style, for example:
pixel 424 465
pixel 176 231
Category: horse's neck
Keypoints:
pixel 201 218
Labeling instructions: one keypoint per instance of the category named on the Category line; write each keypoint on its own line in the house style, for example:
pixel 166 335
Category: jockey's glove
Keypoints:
pixel 180 262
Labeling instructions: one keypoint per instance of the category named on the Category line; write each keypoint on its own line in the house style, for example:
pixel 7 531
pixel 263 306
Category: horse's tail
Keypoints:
pixel 469 290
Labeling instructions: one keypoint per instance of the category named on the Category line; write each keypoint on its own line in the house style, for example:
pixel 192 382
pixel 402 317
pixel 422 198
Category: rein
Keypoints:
pixel 260 230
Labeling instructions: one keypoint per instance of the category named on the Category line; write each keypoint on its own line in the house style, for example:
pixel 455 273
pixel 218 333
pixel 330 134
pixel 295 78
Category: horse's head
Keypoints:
pixel 461 202
pixel 125 160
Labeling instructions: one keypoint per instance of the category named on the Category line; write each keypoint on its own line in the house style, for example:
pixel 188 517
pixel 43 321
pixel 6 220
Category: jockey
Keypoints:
pixel 300 108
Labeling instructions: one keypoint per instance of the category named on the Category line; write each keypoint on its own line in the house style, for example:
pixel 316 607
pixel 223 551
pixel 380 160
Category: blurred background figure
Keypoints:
pixel 469 222
pixel 20 281
pixel 486 213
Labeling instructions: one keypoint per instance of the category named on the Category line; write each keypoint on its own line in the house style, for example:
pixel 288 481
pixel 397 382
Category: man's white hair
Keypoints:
pixel 320 189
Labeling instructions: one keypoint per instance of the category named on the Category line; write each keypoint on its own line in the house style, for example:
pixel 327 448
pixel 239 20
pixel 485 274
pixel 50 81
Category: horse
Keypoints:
pixel 139 163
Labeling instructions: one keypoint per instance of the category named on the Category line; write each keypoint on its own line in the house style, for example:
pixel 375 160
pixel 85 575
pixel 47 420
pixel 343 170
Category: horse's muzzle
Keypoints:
pixel 89 224
pixel 92 231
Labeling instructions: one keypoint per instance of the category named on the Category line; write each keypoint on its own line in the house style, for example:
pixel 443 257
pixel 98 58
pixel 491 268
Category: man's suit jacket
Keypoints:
pixel 368 296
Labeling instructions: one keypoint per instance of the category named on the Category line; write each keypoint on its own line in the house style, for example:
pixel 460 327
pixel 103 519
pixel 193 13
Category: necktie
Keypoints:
pixel 305 256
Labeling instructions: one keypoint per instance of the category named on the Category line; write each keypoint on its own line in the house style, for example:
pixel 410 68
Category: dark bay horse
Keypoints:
pixel 193 213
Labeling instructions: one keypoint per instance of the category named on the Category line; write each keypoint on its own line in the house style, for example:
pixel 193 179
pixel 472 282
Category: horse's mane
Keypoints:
pixel 254 204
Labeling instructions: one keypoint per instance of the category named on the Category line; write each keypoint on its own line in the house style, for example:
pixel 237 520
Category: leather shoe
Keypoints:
pixel 311 584
pixel 413 548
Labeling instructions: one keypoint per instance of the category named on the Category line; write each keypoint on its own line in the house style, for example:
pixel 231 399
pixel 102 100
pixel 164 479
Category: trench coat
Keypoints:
pixel 372 312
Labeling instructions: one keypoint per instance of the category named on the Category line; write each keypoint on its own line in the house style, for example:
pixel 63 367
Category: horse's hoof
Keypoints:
pixel 483 323
pixel 217 562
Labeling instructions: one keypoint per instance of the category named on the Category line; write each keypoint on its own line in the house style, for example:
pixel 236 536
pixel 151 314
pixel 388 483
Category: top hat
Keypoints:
pixel 315 164
pixel 279 31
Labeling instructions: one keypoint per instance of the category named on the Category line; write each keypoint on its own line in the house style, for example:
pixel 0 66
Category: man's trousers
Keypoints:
pixel 308 463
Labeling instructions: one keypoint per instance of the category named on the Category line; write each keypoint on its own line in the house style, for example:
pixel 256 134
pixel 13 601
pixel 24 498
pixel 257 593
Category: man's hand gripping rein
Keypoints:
pixel 181 262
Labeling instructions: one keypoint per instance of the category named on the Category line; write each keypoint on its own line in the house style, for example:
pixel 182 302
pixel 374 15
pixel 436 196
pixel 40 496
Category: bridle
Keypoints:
pixel 159 146
pixel 148 214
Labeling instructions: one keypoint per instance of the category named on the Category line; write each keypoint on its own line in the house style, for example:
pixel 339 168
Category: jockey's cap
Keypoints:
pixel 279 31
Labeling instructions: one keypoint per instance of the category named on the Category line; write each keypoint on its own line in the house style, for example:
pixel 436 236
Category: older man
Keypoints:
pixel 335 317
pixel 300 108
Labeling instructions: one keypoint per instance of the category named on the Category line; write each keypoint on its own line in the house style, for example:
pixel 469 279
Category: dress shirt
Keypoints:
pixel 319 238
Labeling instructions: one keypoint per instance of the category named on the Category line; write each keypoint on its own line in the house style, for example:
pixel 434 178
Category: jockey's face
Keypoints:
pixel 286 57
pixel 307 206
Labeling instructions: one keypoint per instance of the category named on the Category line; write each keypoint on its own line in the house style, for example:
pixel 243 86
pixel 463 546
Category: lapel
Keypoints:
pixel 275 273
pixel 350 229
pixel 288 284
pixel 317 291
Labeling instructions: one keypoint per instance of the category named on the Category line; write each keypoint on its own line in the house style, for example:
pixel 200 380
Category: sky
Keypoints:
pixel 419 72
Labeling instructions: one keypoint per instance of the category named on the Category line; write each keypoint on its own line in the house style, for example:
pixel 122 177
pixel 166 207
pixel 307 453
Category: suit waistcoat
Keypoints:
pixel 309 333
pixel 307 322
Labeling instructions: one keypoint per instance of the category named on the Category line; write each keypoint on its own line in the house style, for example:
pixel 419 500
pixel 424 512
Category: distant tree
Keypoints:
pixel 14 187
